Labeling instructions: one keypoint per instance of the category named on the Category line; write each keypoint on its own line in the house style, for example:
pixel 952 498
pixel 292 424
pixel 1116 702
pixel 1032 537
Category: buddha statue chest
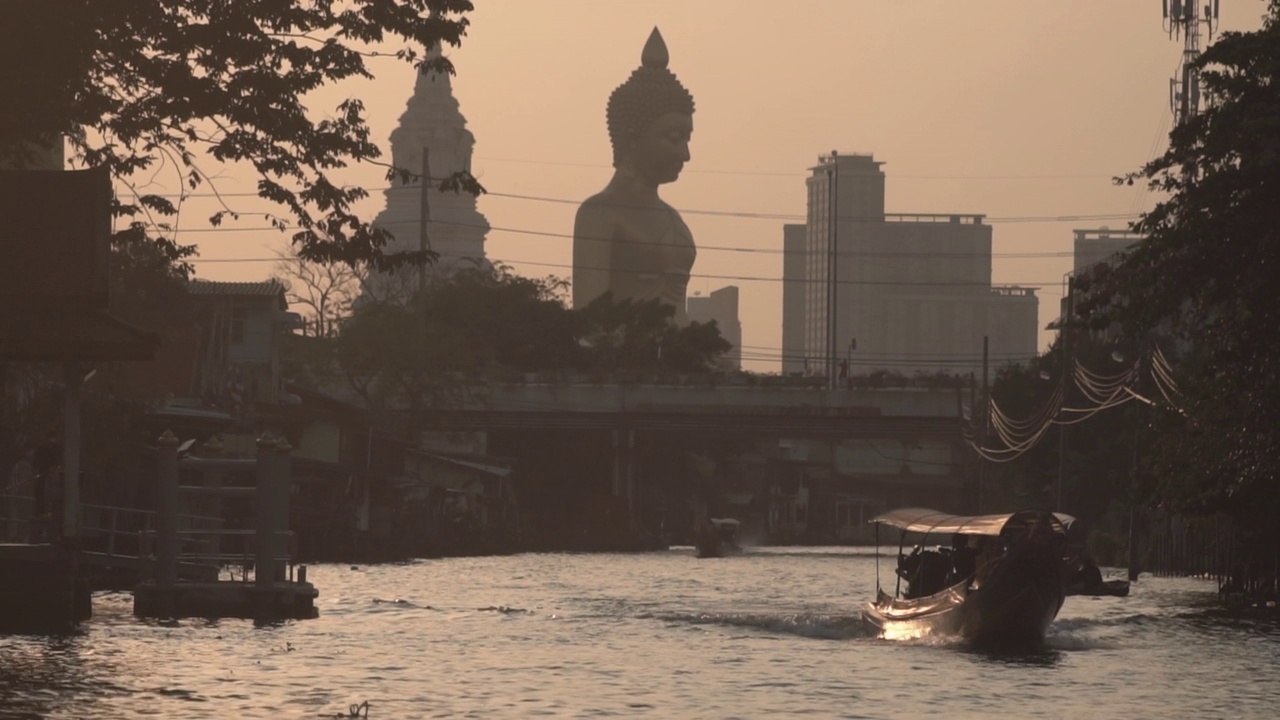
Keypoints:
pixel 651 259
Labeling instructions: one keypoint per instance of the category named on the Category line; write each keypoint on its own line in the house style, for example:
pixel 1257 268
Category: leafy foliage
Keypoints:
pixel 640 337
pixel 137 84
pixel 482 326
pixel 1206 275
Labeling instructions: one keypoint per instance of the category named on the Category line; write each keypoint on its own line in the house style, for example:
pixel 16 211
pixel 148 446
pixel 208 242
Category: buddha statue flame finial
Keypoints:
pixel 651 92
pixel 655 53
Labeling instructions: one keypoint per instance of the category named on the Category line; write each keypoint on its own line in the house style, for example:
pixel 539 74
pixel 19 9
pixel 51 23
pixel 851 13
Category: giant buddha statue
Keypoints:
pixel 626 240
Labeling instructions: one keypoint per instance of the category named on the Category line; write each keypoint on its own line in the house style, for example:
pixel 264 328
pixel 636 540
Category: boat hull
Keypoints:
pixel 1013 607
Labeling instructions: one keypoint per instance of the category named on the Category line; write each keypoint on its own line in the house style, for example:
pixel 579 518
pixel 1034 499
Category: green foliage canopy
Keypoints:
pixel 1205 277
pixel 481 326
pixel 136 84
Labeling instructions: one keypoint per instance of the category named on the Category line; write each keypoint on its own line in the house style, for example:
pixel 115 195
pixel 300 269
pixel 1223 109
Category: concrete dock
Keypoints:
pixel 274 593
pixel 41 589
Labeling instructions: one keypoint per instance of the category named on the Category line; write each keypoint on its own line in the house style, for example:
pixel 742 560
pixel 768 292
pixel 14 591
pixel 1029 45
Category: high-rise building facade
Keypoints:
pixel 722 307
pixel 899 292
pixel 1094 246
pixel 1091 248
pixel 793 298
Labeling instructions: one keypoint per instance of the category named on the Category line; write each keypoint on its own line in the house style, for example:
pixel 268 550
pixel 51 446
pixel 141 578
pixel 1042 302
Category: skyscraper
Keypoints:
pixel 900 292
pixel 793 298
pixel 722 307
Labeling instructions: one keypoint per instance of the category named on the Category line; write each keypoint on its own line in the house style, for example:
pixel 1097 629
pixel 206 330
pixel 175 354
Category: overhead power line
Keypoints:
pixel 750 215
pixel 707 276
pixel 759 173
pixel 708 248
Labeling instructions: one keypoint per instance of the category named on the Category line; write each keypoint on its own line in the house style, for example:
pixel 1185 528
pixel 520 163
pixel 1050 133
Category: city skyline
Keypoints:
pixel 987 109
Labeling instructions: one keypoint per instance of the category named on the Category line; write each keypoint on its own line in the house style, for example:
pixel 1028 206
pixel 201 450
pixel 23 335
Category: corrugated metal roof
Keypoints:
pixel 264 288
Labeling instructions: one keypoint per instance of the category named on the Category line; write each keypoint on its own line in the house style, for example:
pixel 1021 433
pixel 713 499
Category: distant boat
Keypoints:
pixel 1001 582
pixel 718 537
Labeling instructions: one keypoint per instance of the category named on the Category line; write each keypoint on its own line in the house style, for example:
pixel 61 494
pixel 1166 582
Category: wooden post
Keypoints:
pixel 167 511
pixel 264 569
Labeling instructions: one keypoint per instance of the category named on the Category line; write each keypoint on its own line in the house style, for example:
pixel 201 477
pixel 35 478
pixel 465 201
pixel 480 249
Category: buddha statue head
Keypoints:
pixel 651 118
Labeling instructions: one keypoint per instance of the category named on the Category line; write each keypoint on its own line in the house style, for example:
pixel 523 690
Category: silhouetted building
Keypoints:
pixel 722 307
pixel 1090 248
pixel 1095 246
pixel 913 291
pixel 793 296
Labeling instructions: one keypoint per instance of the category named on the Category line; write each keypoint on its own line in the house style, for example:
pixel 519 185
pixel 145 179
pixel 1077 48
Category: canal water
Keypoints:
pixel 770 634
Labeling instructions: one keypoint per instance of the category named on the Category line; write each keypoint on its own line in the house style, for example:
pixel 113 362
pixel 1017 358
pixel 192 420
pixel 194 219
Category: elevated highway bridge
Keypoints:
pixel 865 447
pixel 849 413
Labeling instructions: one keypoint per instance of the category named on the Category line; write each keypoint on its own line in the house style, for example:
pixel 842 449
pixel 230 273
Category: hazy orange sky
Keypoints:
pixel 1009 108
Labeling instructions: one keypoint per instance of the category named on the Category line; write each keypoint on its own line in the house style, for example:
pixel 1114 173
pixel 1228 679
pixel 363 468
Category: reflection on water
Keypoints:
pixel 1047 656
pixel 772 633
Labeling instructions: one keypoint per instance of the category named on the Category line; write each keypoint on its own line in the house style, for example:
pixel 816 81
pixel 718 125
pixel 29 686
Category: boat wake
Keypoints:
pixel 505 610
pixel 1093 633
pixel 811 625
pixel 396 604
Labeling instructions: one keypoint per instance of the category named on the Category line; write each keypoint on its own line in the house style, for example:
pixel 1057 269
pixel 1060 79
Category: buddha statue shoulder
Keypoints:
pixel 626 240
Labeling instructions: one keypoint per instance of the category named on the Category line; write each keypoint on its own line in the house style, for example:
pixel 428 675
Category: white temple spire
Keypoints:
pixel 432 119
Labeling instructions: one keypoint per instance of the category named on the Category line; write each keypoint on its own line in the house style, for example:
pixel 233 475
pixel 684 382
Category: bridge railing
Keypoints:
pixel 875 380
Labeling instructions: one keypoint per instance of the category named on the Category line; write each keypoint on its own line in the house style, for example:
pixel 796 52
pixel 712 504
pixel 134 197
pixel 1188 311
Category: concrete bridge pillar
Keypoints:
pixel 264 565
pixel 212 506
pixel 624 480
pixel 167 549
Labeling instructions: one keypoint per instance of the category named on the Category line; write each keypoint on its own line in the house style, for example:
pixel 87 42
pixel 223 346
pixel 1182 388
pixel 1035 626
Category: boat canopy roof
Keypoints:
pixel 924 520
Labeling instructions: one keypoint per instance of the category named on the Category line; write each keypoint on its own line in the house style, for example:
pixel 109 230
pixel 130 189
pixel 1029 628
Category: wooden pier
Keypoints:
pixel 276 592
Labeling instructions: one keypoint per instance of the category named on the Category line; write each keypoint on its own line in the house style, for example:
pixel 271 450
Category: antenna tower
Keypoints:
pixel 1183 19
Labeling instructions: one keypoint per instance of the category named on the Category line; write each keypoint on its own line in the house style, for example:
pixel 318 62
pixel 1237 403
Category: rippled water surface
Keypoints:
pixel 773 633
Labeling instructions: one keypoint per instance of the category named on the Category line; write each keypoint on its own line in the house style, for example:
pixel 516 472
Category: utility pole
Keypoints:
pixel 848 361
pixel 424 240
pixel 1068 368
pixel 1134 569
pixel 833 271
pixel 986 413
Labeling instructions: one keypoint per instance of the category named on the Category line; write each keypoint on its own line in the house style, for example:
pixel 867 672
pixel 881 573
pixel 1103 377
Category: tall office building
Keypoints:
pixel 793 298
pixel 1090 248
pixel 722 307
pixel 912 292
pixel 1094 246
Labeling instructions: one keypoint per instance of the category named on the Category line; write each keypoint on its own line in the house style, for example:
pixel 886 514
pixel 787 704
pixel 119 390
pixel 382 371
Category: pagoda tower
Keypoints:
pixel 456 229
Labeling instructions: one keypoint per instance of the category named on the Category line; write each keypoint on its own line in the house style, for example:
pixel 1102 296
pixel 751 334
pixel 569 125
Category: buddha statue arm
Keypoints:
pixel 592 254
